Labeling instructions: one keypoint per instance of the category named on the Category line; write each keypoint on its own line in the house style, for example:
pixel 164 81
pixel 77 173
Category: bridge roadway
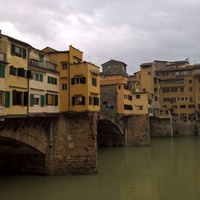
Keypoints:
pixel 64 143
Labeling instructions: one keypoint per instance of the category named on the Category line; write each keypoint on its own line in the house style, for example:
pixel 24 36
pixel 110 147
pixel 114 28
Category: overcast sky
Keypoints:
pixel 131 31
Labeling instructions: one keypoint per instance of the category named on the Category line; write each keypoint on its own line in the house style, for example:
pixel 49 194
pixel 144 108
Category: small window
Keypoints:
pixel 190 89
pixel 64 66
pixel 64 86
pixel 94 81
pixel 190 81
pixel 137 96
pixel 78 100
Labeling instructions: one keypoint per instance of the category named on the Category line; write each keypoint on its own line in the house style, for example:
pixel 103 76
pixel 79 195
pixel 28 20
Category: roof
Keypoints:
pixel 187 68
pixel 110 61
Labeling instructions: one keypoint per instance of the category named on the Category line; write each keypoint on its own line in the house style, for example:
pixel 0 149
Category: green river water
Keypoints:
pixel 169 169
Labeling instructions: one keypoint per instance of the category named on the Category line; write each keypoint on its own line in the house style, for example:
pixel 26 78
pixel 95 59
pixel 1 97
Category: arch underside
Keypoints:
pixel 108 134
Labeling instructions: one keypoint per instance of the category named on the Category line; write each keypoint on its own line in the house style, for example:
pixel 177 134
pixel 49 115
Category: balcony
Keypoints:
pixel 2 57
pixel 35 63
pixel 51 66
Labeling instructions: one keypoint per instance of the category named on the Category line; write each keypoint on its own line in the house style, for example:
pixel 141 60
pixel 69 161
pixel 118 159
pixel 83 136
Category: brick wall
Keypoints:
pixel 137 132
pixel 160 127
pixel 73 148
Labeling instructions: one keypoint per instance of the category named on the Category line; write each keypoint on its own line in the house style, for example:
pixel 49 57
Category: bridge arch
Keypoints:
pixel 109 133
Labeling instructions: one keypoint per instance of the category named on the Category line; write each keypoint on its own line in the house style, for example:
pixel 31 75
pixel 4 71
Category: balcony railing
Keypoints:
pixel 50 65
pixel 2 57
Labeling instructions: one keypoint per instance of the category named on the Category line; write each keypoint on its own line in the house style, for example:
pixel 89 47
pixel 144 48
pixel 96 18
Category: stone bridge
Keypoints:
pixel 65 144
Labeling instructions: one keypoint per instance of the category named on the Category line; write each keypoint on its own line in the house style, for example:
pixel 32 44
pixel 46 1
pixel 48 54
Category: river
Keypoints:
pixel 169 169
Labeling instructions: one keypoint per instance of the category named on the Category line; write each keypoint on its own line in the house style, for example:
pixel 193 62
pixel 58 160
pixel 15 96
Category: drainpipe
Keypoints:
pixel 69 86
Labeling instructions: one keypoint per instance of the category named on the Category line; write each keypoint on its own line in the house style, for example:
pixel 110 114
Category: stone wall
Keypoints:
pixel 160 127
pixel 188 128
pixel 137 132
pixel 73 146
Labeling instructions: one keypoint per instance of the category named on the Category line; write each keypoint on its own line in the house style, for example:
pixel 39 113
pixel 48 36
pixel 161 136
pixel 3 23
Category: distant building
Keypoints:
pixel 79 81
pixel 119 93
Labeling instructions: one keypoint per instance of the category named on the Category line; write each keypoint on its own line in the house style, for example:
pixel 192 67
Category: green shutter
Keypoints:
pixel 83 80
pixel 31 99
pixel 41 78
pixel 12 49
pixel 14 93
pixel 46 97
pixel 42 100
pixel 83 99
pixel 7 99
pixel 73 101
pixel 73 81
pixel 56 100
pixel 2 71
pixel 23 53
pixel 49 79
pixel 25 98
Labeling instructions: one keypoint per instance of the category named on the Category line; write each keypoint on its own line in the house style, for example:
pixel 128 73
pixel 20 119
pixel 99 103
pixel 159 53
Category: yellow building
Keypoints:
pixel 14 76
pixel 121 92
pixel 43 84
pixel 79 81
pixel 140 98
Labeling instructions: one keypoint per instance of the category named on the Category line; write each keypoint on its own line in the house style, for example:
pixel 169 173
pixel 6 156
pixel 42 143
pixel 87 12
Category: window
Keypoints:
pixel 2 71
pixel 149 73
pixel 13 70
pixel 137 96
pixel 190 89
pixel 52 80
pixel 90 100
pixel 119 87
pixel 19 98
pixel 64 66
pixel 79 80
pixel 191 106
pixel 174 106
pixel 128 107
pixel 139 107
pixel 94 81
pixel 166 99
pixel 37 77
pixel 191 99
pixel 173 100
pixel 78 100
pixel 182 106
pixel 174 89
pixel 64 86
pixel 51 100
pixel 18 51
pixel 155 89
pixel 36 100
pixel 130 97
pixel 165 90
pixel 181 89
pixel 190 81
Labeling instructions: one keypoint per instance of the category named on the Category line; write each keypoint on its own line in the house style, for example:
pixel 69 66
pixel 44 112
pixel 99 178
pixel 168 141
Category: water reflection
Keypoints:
pixel 168 169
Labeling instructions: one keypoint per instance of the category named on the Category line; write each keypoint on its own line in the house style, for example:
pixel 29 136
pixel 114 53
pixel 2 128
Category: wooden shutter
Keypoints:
pixel 42 101
pixel 83 80
pixel 29 74
pixel 12 49
pixel 31 99
pixel 23 53
pixel 25 98
pixel 14 93
pixel 56 100
pixel 73 101
pixel 73 81
pixel 83 100
pixel 2 71
pixel 7 99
